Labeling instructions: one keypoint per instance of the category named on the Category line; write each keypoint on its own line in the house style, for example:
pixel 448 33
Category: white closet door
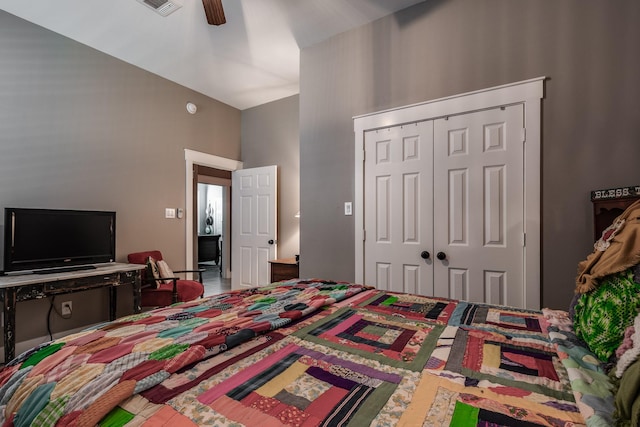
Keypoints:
pixel 398 214
pixel 478 209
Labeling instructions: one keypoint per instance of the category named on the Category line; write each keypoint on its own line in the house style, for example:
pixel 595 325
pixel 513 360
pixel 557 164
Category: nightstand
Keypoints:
pixel 284 269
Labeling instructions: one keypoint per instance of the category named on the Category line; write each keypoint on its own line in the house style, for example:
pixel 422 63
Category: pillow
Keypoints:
pixel 152 270
pixel 603 314
pixel 165 271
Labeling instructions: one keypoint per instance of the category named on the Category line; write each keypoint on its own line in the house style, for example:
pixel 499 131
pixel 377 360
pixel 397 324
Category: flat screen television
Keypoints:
pixel 46 240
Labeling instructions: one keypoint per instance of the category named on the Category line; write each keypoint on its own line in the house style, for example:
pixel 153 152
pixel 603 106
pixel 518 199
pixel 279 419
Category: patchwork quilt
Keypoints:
pixel 312 353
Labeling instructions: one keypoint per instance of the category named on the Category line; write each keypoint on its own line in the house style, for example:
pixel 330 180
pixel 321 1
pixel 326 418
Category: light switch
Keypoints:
pixel 348 208
pixel 169 213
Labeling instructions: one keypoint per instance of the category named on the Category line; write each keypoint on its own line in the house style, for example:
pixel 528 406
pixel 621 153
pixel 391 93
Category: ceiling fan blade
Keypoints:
pixel 214 11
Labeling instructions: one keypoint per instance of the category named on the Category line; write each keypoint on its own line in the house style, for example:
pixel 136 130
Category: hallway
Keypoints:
pixel 213 283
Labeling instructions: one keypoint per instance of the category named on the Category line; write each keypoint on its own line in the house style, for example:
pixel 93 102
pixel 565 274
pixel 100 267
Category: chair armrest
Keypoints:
pixel 199 271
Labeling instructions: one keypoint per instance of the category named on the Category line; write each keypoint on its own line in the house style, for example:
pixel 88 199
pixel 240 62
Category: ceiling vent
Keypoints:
pixel 162 7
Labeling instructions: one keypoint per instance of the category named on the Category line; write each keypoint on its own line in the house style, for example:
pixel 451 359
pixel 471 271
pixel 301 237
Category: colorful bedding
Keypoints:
pixel 310 353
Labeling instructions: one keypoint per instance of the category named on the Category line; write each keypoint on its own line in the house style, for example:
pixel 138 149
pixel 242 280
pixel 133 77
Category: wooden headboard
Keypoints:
pixel 609 203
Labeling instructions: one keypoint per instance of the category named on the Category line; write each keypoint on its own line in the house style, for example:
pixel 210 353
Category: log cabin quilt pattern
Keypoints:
pixel 312 353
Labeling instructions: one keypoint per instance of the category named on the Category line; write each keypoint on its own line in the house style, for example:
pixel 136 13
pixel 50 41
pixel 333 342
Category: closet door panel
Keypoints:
pixel 398 212
pixel 478 206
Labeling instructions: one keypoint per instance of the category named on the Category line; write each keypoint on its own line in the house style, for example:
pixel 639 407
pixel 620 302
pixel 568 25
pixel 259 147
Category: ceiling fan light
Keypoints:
pixel 214 11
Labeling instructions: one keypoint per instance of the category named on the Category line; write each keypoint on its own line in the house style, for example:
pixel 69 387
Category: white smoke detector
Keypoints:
pixel 191 108
pixel 161 7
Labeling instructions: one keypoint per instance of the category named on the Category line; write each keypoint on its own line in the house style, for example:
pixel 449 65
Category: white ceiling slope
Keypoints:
pixel 251 60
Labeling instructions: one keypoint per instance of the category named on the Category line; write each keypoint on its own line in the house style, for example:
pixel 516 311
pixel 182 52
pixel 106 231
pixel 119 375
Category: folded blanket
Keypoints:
pixel 629 351
pixel 617 250
pixel 628 397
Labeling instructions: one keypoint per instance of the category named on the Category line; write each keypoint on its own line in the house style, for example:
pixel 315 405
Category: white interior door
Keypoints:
pixel 478 209
pixel 399 208
pixel 253 225
pixel 443 207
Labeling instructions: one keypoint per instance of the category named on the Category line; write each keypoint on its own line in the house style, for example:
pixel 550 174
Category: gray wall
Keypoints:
pixel 270 136
pixel 590 114
pixel 82 130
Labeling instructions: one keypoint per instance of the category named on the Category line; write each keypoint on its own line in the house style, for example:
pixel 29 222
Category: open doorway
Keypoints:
pixel 210 225
pixel 212 213
pixel 199 164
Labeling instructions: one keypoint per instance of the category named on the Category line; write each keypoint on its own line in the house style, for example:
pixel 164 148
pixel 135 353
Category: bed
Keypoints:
pixel 314 352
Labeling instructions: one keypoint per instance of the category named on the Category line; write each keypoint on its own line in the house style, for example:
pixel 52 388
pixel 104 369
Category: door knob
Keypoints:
pixel 271 242
pixel 425 255
pixel 441 256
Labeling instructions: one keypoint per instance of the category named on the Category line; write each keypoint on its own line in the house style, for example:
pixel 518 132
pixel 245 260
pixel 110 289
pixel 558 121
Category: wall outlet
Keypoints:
pixel 66 308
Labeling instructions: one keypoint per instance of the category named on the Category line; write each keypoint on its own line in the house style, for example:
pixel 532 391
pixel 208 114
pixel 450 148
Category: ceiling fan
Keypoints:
pixel 214 11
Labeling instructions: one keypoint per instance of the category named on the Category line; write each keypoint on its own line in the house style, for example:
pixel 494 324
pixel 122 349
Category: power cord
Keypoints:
pixel 51 307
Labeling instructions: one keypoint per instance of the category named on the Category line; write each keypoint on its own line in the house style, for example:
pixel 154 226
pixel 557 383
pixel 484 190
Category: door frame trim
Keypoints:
pixel 529 93
pixel 204 159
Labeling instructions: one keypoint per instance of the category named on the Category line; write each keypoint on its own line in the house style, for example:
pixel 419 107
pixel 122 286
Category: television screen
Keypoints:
pixel 49 238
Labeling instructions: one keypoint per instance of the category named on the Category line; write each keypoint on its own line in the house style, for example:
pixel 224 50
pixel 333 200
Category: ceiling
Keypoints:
pixel 251 60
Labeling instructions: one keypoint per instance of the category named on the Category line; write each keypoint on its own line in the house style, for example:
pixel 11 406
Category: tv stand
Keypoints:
pixel 14 289
pixel 66 269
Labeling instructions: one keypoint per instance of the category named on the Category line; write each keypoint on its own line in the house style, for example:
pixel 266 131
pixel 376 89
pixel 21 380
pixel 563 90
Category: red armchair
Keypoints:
pixel 156 293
